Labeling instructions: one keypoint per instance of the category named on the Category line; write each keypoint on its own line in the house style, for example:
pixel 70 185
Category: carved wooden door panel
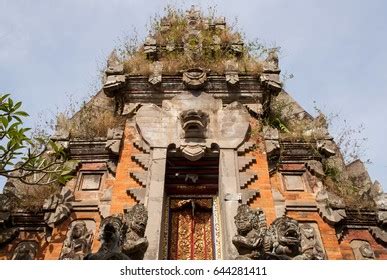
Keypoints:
pixel 191 229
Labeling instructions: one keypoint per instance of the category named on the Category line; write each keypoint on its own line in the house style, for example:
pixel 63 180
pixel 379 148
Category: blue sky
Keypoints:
pixel 335 49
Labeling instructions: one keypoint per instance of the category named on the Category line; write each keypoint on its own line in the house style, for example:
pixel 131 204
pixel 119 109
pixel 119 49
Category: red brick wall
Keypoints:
pixel 353 234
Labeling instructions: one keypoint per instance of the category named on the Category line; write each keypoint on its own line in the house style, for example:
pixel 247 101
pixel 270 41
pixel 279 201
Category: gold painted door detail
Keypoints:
pixel 190 232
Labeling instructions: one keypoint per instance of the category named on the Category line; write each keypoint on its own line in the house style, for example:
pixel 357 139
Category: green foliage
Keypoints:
pixel 276 117
pixel 31 160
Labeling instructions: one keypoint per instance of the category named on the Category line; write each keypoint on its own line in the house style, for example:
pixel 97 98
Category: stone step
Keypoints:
pixel 137 193
pixel 246 147
pixel 248 195
pixel 246 178
pixel 245 162
pixel 142 160
pixel 143 147
pixel 140 177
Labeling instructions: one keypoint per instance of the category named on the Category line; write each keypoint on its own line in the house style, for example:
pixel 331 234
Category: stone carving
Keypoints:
pixel 237 47
pixel 78 243
pixel 7 234
pixel 25 250
pixel 362 250
pixel 160 127
pixel 155 77
pixel 285 239
pixel 326 148
pixel 231 73
pixel 193 44
pixel 135 244
pixel 111 237
pixel 251 228
pixel 115 77
pixel 114 137
pixel 193 17
pixel 330 207
pixel 122 236
pixel 270 76
pixel 194 123
pixel 310 245
pixel 220 23
pixel 150 47
pixel 195 78
pixel 58 207
pixel 316 168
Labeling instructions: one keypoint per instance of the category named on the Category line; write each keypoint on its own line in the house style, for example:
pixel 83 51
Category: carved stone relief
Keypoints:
pixel 79 239
pixel 122 236
pixel 160 127
pixel 330 207
pixel 25 250
pixel 135 243
pixel 285 238
pixel 311 244
pixel 251 227
pixel 362 250
pixel 111 238
pixel 194 78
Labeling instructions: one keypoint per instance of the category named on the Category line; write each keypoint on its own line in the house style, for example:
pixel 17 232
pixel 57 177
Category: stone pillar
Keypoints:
pixel 229 199
pixel 154 202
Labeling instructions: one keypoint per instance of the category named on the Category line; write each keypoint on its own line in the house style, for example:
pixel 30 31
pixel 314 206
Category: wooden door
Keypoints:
pixel 191 229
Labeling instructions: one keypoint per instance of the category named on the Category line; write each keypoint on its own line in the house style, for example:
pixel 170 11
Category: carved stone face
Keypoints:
pixel 79 230
pixel 307 231
pixel 25 251
pixel 244 220
pixel 288 231
pixel 112 230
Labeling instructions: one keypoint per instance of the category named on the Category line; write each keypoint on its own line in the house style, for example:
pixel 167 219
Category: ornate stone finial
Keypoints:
pixel 114 66
pixel 135 243
pixel 193 17
pixel 220 23
pixel 237 47
pixel 270 76
pixel 165 24
pixel 78 243
pixel 150 47
pixel 115 77
pixel 25 250
pixel 271 61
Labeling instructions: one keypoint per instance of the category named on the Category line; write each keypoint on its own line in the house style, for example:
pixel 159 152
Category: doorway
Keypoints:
pixel 191 207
